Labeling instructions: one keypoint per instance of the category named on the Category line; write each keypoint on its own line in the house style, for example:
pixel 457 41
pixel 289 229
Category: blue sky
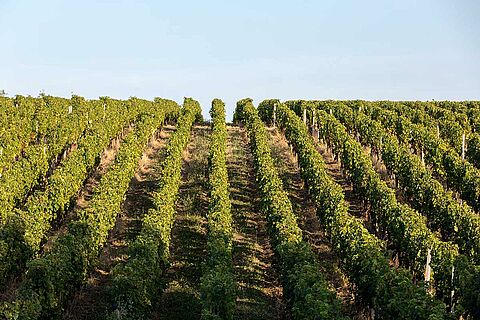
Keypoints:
pixel 235 49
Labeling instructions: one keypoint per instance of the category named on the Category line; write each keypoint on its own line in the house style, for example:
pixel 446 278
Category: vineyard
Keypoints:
pixel 302 209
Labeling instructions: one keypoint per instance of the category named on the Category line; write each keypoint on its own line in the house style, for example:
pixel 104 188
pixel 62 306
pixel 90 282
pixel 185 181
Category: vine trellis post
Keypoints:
pixel 428 269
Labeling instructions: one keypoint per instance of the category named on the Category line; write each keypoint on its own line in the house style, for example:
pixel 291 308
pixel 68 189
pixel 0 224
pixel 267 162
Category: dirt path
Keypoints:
pixel 305 210
pixel 259 291
pixel 92 300
pixel 181 297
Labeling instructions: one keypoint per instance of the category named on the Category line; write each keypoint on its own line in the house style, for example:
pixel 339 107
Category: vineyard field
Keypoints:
pixel 300 209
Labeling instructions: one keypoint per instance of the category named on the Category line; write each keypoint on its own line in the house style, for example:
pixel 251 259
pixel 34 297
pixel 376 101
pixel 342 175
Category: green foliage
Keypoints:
pixel 16 127
pixel 473 149
pixel 265 110
pixel 173 110
pixel 362 254
pixel 426 194
pixel 305 290
pixel 136 282
pixel 52 278
pixel 406 229
pixel 34 132
pixel 456 221
pixel 442 156
pixel 24 230
pixel 217 284
pixel 467 280
pixel 55 129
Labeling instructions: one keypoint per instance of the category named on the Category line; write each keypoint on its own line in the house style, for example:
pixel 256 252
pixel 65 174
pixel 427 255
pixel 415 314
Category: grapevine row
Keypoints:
pixel 217 283
pixel 451 125
pixel 446 162
pixel 458 111
pixel 305 290
pixel 16 129
pixel 469 108
pixel 444 255
pixel 25 230
pixel 362 254
pixel 25 173
pixel 405 229
pixel 53 277
pixel 466 273
pixel 136 282
pixel 457 222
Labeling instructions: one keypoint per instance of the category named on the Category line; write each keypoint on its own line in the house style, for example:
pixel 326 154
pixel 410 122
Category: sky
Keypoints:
pixel 372 50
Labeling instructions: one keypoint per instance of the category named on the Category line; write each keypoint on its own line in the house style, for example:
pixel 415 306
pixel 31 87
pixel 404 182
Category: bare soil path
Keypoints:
pixel 287 166
pixel 259 290
pixel 92 300
pixel 181 297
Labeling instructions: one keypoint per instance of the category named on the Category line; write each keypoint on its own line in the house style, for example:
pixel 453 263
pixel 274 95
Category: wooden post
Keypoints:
pixel 313 123
pixel 428 270
pixel 274 115
pixel 452 293
pixel 463 146
pixel 423 156
pixel 305 116
pixel 70 109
